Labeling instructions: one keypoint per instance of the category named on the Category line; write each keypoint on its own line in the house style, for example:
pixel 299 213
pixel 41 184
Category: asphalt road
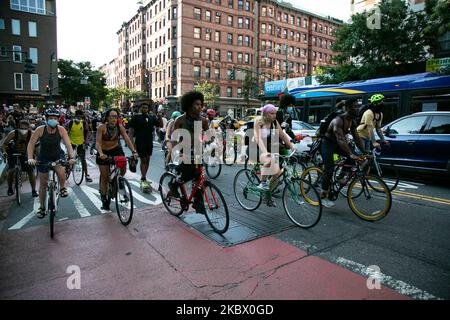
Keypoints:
pixel 410 248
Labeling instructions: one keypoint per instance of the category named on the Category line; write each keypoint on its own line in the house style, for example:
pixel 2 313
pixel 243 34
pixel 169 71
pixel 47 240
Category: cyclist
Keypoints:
pixel 266 128
pixel 371 119
pixel 78 130
pixel 169 130
pixel 50 137
pixel 108 144
pixel 283 116
pixel 192 104
pixel 16 142
pixel 334 141
pixel 96 121
pixel 142 127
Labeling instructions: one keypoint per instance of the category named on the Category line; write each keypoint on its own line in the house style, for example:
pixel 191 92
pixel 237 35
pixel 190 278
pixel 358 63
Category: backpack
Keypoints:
pixel 325 122
pixel 361 112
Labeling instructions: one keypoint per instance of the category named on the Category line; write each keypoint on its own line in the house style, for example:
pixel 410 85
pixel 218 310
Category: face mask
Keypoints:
pixel 23 131
pixel 52 123
pixel 33 126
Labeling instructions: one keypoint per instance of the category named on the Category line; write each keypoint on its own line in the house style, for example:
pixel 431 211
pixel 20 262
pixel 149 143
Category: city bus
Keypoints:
pixel 404 95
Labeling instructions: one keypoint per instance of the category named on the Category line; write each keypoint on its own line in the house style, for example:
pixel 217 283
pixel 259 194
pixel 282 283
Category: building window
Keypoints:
pixel 247 23
pixel 217 55
pixel 34 55
pixel 217 36
pixel 247 58
pixel 174 13
pixel 228 74
pixel 34 79
pixel 264 11
pixel 3 52
pixel 218 17
pixel 197 71
pixel 240 22
pixel 263 28
pixel 230 4
pixel 230 21
pixel 240 57
pixel 305 23
pixel 229 92
pixel 247 41
pixel 239 92
pixel 240 40
pixel 197 32
pixel 240 4
pixel 174 52
pixel 303 52
pixel 217 73
pixel 247 6
pixel 174 32
pixel 17 53
pixel 2 24
pixel 208 54
pixel 230 56
pixel 208 15
pixel 197 53
pixel 15 24
pixel 18 81
pixel 230 38
pixel 208 35
pixel 33 6
pixel 208 72
pixel 198 14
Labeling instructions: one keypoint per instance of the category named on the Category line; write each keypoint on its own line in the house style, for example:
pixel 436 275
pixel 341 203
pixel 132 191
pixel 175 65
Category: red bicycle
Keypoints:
pixel 177 201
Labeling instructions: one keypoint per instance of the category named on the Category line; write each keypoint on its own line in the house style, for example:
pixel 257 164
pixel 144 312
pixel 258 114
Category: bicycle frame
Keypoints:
pixel 200 183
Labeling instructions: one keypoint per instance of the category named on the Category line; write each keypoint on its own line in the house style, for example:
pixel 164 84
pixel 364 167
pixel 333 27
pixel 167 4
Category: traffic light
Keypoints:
pixel 233 74
pixel 47 89
pixel 29 68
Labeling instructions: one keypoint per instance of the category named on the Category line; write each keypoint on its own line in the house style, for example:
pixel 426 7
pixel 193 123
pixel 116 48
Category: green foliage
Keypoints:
pixel 210 91
pixel 70 79
pixel 403 38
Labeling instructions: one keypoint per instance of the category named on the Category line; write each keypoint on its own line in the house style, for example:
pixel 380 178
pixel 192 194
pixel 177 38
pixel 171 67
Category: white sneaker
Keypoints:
pixel 328 203
pixel 264 186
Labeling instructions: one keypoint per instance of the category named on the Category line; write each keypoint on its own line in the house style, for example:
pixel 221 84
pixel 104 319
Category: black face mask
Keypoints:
pixel 377 108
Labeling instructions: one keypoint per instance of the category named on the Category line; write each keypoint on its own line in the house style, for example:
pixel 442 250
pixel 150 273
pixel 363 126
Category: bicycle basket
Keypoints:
pixel 121 162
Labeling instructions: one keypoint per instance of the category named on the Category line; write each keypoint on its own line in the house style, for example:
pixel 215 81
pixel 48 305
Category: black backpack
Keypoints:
pixel 325 122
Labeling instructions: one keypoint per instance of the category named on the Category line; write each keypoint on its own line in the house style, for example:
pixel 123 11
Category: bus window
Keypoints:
pixel 390 108
pixel 318 109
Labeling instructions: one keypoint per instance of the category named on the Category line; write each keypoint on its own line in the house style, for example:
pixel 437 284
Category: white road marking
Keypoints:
pixel 28 217
pixel 398 285
pixel 94 196
pixel 63 219
pixel 140 198
pixel 79 206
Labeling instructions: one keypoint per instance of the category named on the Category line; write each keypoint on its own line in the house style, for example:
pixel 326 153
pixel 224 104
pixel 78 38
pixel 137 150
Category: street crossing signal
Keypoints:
pixel 233 74
pixel 29 68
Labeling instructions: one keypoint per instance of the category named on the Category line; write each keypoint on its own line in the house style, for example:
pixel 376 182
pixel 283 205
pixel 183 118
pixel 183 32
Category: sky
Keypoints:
pixel 87 28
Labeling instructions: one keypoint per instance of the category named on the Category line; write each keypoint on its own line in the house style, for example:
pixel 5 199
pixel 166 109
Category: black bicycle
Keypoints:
pixel 18 178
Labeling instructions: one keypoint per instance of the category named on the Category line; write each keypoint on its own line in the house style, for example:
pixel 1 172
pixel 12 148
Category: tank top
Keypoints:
pixel 50 145
pixel 77 133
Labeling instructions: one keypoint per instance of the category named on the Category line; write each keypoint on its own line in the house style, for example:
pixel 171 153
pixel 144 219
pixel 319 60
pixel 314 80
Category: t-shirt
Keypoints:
pixel 76 134
pixel 369 117
pixel 143 126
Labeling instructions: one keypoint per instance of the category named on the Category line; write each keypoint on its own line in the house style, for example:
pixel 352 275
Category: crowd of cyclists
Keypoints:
pixel 38 138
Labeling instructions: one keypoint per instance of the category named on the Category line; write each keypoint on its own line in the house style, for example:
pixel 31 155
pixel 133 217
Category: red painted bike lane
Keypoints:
pixel 158 257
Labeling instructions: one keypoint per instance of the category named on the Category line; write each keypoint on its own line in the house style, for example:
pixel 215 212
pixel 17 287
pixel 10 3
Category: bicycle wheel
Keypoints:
pixel 375 200
pixel 51 207
pixel 216 208
pixel 391 181
pixel 213 167
pixel 310 182
pixel 171 200
pixel 246 191
pixel 78 172
pixel 124 201
pixel 300 211
pixel 18 185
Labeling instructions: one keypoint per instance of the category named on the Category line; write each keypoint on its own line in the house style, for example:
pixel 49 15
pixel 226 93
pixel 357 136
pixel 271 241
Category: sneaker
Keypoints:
pixel 145 186
pixel 328 203
pixel 263 186
pixel 10 192
pixel 34 194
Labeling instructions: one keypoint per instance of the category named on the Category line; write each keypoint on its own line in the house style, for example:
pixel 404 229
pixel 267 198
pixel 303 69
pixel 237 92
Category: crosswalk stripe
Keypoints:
pixel 140 198
pixel 93 194
pixel 79 206
pixel 28 217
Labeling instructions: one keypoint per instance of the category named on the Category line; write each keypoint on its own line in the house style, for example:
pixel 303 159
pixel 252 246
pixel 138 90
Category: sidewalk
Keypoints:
pixel 158 257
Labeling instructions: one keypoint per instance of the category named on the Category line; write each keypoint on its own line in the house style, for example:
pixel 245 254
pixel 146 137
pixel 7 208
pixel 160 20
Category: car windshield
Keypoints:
pixel 300 125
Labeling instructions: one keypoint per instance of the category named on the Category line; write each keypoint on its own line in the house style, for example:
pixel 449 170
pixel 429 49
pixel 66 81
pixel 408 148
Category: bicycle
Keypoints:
pixel 52 197
pixel 360 189
pixel 393 181
pixel 302 213
pixel 216 208
pixel 119 189
pixel 77 169
pixel 211 162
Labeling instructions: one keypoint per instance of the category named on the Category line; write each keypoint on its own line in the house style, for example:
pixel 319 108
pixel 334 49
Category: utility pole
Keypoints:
pixel 50 80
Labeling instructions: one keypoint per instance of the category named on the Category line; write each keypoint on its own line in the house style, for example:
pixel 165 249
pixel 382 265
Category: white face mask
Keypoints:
pixel 23 131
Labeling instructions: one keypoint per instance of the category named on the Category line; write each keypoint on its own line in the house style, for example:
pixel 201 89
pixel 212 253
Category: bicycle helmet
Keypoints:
pixel 211 112
pixel 52 112
pixel 176 114
pixel 376 98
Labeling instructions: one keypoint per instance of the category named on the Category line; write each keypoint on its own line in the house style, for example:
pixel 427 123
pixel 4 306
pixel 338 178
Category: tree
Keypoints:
pixel 210 92
pixel 80 80
pixel 364 53
pixel 437 18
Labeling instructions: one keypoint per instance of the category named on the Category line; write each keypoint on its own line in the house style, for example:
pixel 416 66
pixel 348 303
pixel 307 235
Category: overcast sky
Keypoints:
pixel 87 28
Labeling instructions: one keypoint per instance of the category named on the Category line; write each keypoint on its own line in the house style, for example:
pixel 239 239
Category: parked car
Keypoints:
pixel 419 142
pixel 302 129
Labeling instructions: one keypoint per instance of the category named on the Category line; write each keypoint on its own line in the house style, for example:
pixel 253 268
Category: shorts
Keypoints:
pixel 116 152
pixel 81 151
pixel 144 150
pixel 23 162
pixel 43 158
